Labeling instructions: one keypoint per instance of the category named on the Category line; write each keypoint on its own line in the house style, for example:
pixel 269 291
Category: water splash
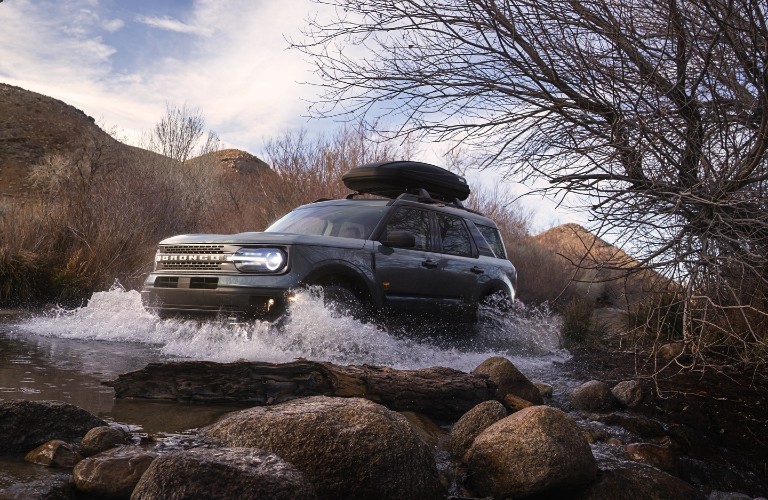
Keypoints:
pixel 529 338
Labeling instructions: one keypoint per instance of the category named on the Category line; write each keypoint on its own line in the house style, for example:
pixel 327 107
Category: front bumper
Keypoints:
pixel 213 295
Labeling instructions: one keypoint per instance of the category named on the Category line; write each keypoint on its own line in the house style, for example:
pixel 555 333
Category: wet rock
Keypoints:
pixel 629 393
pixel 101 439
pixel 644 427
pixel 592 396
pixel 508 380
pixel 57 487
pixel 658 456
pixel 431 433
pixel 545 390
pixel 112 473
pixel 637 482
pixel 514 403
pixel 54 453
pixel 728 495
pixel 222 473
pixel 347 447
pixel 473 423
pixel 536 450
pixel 27 424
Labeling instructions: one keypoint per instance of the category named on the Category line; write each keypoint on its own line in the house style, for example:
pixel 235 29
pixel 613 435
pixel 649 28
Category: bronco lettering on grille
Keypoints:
pixel 191 258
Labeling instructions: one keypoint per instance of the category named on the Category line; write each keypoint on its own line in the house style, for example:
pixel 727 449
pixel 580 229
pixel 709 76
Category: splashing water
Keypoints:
pixel 529 338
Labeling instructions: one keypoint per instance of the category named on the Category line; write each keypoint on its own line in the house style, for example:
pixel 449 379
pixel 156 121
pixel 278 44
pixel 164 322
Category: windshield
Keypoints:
pixel 346 221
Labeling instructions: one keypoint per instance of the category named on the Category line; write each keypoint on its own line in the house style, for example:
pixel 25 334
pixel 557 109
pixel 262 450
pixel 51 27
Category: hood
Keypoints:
pixel 264 238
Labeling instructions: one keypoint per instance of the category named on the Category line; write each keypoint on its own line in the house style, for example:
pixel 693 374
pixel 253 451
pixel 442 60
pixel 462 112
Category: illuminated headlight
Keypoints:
pixel 259 260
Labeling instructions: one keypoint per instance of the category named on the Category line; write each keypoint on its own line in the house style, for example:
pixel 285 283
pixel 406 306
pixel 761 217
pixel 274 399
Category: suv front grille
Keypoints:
pixel 193 249
pixel 192 257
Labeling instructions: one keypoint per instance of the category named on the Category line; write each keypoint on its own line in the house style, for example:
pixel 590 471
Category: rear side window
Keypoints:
pixel 492 236
pixel 412 220
pixel 454 235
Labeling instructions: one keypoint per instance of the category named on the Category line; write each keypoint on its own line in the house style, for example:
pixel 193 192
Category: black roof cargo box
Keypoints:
pixel 393 178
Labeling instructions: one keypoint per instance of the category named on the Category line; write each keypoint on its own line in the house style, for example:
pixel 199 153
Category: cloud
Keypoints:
pixel 170 24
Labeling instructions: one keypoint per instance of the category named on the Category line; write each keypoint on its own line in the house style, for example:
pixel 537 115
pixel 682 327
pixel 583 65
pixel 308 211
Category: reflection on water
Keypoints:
pixel 65 355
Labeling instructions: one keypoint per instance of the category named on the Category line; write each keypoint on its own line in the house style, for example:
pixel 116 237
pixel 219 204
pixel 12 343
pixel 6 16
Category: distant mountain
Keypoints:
pixel 601 272
pixel 33 126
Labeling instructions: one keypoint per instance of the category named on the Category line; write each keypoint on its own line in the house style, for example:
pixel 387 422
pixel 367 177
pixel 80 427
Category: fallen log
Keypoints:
pixel 442 393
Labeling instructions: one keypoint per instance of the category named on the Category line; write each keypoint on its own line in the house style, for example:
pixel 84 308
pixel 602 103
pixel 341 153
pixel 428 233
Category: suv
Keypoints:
pixel 417 249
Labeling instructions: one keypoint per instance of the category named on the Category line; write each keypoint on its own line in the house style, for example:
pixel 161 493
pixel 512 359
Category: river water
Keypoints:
pixel 65 355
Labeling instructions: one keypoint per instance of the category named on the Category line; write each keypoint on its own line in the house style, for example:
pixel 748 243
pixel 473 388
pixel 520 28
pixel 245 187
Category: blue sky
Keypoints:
pixel 121 61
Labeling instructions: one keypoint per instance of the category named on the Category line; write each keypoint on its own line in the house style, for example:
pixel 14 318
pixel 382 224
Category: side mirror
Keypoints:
pixel 399 239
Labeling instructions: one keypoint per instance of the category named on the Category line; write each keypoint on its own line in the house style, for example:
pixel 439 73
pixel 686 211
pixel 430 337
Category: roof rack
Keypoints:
pixel 423 196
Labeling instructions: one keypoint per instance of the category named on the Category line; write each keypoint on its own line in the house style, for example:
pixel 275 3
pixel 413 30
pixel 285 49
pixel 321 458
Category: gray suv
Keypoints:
pixel 416 251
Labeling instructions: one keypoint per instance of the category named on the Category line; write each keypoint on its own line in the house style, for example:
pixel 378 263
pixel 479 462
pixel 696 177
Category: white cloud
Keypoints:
pixel 170 24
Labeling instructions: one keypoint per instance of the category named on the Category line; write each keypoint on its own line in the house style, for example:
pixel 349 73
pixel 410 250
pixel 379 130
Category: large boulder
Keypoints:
pixel 347 447
pixel 473 423
pixel 112 473
pixel 25 425
pixel 592 396
pixel 536 450
pixel 631 481
pixel 508 380
pixel 222 473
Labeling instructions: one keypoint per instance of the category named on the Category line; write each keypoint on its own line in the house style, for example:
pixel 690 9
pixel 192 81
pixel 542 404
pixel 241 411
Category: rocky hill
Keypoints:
pixel 33 126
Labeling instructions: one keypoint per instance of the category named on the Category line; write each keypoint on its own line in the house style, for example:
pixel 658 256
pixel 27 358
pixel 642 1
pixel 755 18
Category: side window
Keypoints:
pixel 454 235
pixel 412 220
pixel 493 238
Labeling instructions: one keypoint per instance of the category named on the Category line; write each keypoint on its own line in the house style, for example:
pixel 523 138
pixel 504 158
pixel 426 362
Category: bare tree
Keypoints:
pixel 654 112
pixel 179 134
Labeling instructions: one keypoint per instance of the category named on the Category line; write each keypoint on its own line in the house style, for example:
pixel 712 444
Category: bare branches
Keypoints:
pixel 654 111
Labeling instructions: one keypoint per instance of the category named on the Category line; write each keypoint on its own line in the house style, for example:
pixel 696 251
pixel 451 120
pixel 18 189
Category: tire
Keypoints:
pixel 342 301
pixel 498 301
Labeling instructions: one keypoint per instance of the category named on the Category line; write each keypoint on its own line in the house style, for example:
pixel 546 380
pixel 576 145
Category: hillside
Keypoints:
pixel 33 126
pixel 600 272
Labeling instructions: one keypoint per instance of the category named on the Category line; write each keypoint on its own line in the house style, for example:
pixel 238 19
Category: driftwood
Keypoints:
pixel 441 393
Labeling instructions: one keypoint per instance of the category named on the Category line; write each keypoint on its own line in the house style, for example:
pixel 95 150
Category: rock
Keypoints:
pixel 472 424
pixel 644 427
pixel 629 393
pixel 592 396
pixel 222 473
pixel 728 495
pixel 56 487
pixel 536 450
pixel 508 380
pixel 101 439
pixel 112 473
pixel 431 433
pixel 545 390
pixel 347 447
pixel 513 403
pixel 54 453
pixel 637 482
pixel 669 352
pixel 25 425
pixel 657 456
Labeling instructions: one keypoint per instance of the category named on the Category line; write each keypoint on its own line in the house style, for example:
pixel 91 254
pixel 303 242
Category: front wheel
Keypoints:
pixel 342 301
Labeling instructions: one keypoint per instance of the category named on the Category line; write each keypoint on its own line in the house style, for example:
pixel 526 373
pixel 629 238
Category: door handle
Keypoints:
pixel 477 270
pixel 429 264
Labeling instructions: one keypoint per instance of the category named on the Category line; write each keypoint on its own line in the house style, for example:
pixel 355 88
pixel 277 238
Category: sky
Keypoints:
pixel 122 61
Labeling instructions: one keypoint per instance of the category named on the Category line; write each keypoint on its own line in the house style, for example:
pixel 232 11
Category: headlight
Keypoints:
pixel 259 260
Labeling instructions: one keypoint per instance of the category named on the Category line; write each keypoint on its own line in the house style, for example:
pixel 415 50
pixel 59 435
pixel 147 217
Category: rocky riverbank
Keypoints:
pixel 598 441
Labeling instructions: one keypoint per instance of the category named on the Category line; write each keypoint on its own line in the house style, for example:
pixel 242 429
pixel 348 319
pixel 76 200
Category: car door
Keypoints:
pixel 405 276
pixel 459 272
